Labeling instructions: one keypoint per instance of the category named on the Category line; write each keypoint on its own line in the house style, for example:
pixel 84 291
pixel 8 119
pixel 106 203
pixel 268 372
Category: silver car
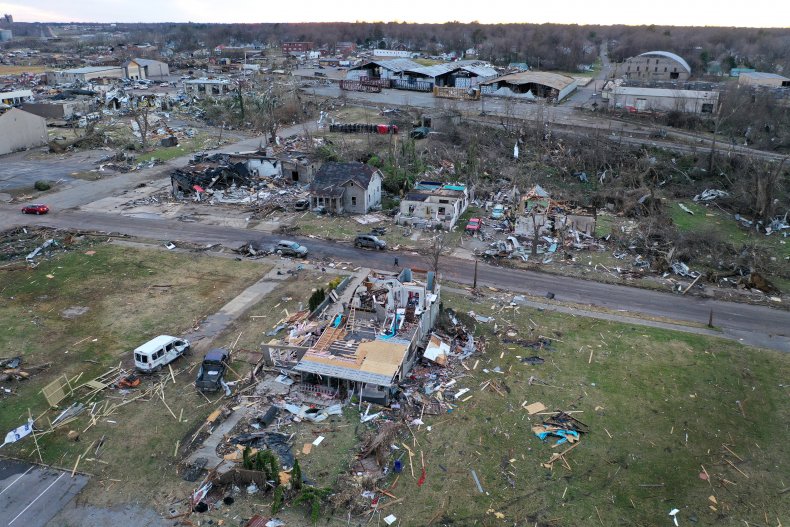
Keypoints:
pixel 289 248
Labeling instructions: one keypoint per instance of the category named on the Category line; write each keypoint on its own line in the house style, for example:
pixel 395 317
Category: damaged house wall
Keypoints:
pixel 435 203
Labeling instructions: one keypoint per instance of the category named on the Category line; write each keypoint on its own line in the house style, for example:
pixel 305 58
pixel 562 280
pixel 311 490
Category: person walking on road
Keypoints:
pixel 396 261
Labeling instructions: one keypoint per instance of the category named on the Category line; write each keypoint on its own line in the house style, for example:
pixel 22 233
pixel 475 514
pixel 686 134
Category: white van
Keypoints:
pixel 159 352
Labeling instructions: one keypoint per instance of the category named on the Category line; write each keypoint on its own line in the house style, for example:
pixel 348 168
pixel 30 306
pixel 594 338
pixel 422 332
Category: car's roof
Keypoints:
pixel 217 354
pixel 36 205
pixel 155 343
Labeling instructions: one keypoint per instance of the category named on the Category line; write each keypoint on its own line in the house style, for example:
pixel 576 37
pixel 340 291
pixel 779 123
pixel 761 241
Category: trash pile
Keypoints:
pixel 33 244
pixel 11 372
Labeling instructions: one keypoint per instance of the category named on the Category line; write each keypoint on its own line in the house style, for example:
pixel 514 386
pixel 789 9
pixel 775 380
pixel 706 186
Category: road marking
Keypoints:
pixel 37 497
pixel 17 479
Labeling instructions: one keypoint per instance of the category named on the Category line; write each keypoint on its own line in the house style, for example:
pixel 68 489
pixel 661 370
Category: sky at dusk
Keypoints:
pixel 755 13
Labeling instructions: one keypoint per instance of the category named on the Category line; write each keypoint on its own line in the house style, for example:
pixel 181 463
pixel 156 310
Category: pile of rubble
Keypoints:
pixel 252 179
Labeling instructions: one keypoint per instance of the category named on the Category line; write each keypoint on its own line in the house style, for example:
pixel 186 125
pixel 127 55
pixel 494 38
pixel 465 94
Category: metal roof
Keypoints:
pixel 396 65
pixel 207 81
pixel 669 55
pixel 148 62
pixel 664 92
pixel 91 69
pixel 339 372
pixel 552 80
pixel 476 67
pixel 762 75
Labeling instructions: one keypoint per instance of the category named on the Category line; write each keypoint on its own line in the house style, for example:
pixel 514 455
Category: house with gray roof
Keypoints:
pixel 346 188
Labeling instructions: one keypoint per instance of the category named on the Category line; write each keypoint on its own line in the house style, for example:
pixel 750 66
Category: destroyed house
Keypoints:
pixel 371 346
pixel 215 171
pixel 298 167
pixel 346 187
pixel 257 163
pixel 435 203
pixel 536 207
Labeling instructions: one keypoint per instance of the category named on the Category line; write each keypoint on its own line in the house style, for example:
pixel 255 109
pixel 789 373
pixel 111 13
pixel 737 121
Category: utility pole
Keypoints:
pixel 474 282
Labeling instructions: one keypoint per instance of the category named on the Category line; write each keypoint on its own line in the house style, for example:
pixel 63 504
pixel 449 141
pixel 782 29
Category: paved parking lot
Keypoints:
pixel 30 495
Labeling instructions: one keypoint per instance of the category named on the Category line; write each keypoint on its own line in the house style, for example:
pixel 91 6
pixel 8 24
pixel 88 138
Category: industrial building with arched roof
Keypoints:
pixel 656 66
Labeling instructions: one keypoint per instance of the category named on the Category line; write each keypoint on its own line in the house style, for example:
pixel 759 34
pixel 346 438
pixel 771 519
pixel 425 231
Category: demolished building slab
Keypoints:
pixel 371 346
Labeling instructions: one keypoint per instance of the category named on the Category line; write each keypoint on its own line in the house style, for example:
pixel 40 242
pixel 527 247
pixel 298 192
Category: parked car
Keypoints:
pixel 473 225
pixel 159 352
pixel 369 241
pixel 302 204
pixel 212 370
pixel 35 208
pixel 289 248
pixel 498 212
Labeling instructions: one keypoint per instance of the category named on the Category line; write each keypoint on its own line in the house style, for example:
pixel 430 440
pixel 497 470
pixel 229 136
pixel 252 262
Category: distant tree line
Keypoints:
pixel 542 46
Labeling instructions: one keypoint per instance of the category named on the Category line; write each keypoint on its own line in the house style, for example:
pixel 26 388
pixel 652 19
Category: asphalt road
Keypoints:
pixel 754 325
pixel 30 495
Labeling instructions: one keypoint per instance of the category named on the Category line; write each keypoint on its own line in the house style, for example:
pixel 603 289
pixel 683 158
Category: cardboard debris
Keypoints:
pixel 534 408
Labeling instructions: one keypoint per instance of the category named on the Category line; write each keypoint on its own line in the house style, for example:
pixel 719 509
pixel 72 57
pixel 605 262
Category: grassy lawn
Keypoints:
pixel 345 228
pixel 201 141
pixel 660 406
pixel 131 295
pixel 17 70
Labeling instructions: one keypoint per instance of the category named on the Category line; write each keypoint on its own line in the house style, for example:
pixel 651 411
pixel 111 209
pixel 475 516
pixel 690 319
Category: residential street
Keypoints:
pixel 753 325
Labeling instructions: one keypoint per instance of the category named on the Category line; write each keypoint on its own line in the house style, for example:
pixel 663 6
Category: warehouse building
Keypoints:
pixel 656 66
pixel 86 74
pixel 767 80
pixel 20 130
pixel 684 99
pixel 531 85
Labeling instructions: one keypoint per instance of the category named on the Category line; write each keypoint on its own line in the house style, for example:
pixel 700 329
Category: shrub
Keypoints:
pixel 277 504
pixel 316 298
pixel 42 185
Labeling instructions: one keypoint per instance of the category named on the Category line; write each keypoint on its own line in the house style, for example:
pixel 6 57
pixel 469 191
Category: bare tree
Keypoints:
pixel 141 117
pixel 436 249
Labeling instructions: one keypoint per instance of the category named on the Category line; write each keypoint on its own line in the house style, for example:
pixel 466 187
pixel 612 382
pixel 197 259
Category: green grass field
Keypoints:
pixel 131 295
pixel 660 405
